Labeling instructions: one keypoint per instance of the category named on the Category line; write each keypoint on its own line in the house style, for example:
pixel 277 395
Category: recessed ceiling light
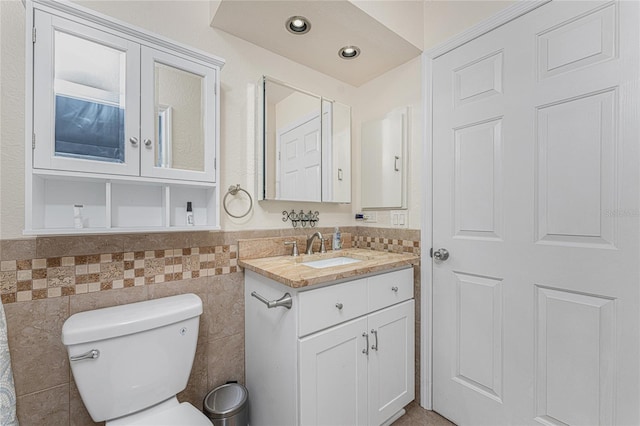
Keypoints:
pixel 349 52
pixel 298 25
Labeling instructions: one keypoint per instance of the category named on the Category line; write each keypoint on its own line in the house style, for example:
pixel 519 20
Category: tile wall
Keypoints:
pixel 45 280
pixel 41 278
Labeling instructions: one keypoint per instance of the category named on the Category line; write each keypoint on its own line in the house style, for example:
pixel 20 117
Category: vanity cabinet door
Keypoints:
pixel 178 123
pixel 86 98
pixel 391 361
pixel 333 376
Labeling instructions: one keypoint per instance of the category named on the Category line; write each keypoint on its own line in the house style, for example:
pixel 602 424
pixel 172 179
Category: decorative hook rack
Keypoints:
pixel 301 217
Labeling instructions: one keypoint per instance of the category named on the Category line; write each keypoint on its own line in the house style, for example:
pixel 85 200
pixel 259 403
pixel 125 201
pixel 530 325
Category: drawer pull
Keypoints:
pixel 394 289
pixel 366 347
pixel 339 306
pixel 375 333
pixel 285 301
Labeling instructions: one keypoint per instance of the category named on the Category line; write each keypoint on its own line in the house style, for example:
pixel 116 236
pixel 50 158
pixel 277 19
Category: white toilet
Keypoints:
pixel 130 361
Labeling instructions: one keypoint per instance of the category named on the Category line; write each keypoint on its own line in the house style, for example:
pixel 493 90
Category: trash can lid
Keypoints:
pixel 226 400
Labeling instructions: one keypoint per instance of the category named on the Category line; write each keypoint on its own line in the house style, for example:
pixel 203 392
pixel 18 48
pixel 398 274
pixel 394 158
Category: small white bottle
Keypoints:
pixel 337 241
pixel 190 221
pixel 77 216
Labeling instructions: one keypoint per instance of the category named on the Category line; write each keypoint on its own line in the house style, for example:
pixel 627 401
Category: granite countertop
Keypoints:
pixel 292 271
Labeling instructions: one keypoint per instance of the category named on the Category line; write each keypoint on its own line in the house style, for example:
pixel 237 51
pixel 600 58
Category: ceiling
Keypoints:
pixel 334 24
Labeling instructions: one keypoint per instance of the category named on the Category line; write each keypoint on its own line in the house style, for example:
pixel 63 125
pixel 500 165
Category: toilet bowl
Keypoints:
pixel 130 361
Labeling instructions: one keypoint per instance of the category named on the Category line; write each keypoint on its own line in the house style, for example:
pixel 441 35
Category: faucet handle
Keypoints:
pixel 323 248
pixel 295 247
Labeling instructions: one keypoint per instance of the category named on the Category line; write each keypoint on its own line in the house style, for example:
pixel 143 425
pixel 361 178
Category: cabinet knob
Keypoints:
pixel 133 140
pixel 147 143
pixel 339 306
pixel 394 289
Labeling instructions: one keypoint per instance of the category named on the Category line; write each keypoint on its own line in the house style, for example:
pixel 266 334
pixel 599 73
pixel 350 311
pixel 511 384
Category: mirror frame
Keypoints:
pixel 261 141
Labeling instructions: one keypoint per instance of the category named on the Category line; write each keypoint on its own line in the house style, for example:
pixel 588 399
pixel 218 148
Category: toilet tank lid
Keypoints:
pixel 131 318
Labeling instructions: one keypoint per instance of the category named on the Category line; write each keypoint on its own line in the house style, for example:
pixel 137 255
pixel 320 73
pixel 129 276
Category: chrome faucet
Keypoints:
pixel 310 242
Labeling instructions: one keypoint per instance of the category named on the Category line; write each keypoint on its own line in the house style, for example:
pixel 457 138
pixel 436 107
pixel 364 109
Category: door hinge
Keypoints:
pixel 33 141
pixel 215 164
pixel 431 252
pixel 33 34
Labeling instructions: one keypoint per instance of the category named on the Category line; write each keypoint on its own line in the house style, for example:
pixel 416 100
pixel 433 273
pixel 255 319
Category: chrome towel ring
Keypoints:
pixel 233 190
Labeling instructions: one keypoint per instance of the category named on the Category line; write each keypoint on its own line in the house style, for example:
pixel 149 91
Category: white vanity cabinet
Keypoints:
pixel 343 354
pixel 122 122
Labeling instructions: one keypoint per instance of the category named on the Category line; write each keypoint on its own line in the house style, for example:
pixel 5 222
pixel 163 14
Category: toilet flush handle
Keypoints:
pixel 92 354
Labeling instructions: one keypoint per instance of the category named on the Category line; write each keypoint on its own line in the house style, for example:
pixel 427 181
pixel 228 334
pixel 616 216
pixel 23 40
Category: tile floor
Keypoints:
pixel 417 415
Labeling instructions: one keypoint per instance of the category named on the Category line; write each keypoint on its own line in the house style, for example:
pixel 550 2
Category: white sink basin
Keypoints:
pixel 334 261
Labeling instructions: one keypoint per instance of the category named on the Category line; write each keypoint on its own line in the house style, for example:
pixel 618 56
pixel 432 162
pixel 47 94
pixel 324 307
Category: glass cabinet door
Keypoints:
pixel 86 104
pixel 177 117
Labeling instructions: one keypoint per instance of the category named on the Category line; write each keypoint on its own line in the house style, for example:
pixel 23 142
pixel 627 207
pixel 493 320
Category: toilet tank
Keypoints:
pixel 146 352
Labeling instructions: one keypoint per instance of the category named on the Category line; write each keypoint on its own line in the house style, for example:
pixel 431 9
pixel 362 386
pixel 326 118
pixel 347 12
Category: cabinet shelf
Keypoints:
pixel 118 205
pixel 92 231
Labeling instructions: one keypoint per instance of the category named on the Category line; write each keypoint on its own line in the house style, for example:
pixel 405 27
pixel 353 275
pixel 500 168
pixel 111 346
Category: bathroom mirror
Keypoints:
pixel 303 145
pixel 384 160
pixel 89 88
pixel 179 138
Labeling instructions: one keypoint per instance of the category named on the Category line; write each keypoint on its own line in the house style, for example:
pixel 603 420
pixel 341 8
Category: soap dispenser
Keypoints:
pixel 337 241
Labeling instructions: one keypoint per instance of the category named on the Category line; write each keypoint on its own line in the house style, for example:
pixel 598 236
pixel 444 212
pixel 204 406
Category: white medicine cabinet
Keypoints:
pixel 124 124
pixel 383 154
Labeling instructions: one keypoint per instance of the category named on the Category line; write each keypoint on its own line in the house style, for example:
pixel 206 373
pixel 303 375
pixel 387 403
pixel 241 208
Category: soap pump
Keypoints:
pixel 337 241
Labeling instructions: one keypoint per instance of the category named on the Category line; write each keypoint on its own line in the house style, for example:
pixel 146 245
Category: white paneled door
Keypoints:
pixel 536 315
pixel 300 154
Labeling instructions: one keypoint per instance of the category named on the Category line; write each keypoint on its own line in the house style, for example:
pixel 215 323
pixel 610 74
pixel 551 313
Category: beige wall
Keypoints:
pixel 12 119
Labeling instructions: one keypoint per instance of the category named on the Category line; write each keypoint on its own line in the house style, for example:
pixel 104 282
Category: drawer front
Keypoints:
pixel 331 305
pixel 390 288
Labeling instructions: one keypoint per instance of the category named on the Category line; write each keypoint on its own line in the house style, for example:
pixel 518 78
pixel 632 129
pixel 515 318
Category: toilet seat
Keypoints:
pixel 169 413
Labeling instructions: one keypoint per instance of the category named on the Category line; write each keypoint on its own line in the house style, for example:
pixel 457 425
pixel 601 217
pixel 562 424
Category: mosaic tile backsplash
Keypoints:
pixel 387 244
pixel 23 280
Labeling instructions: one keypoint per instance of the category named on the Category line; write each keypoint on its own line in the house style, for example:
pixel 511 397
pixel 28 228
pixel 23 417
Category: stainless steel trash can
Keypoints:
pixel 227 405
